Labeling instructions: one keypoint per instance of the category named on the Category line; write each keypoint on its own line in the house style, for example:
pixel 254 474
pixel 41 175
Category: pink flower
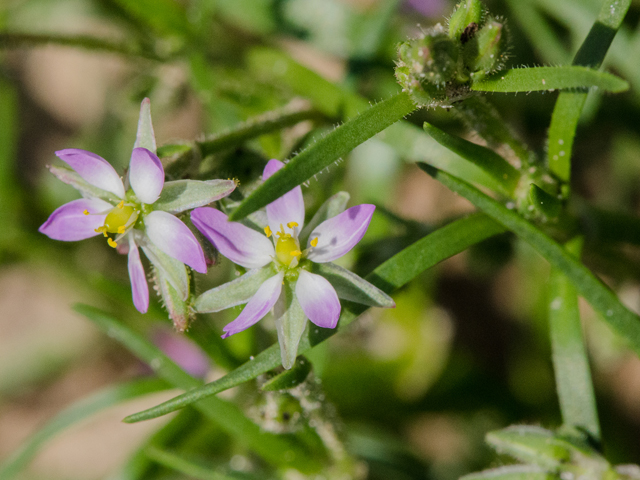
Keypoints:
pixel 280 267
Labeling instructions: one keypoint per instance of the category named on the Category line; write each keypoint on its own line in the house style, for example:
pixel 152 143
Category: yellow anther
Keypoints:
pixel 314 242
pixel 121 204
pixel 267 231
pixel 102 230
pixel 295 253
pixel 111 243
pixel 121 229
pixel 86 212
pixel 292 224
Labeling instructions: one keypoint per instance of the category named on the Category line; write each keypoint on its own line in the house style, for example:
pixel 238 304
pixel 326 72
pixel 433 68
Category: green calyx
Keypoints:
pixel 437 68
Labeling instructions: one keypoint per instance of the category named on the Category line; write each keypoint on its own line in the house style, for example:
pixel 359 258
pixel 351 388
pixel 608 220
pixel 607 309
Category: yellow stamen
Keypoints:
pixel 292 224
pixel 121 229
pixel 112 243
pixel 314 242
pixel 102 230
pixel 268 231
pixel 121 204
pixel 85 212
pixel 295 253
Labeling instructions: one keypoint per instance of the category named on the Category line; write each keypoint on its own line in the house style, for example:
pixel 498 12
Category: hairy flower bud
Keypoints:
pixel 486 51
pixel 467 17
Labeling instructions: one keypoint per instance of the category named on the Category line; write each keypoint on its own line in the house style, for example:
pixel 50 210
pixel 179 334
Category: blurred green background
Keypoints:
pixel 412 390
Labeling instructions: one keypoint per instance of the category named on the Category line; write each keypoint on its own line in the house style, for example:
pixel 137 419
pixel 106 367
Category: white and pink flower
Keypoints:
pixel 139 214
pixel 294 281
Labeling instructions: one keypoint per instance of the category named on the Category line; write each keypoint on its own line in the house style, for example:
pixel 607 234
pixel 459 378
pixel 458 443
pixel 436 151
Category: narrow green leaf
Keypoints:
pixel 326 151
pixel 289 378
pixel 184 466
pixel 569 105
pixel 233 293
pixel 226 415
pixel 166 17
pixel 395 272
pixel 512 472
pixel 549 78
pixel 493 164
pixel 180 195
pixel 570 359
pixel 350 286
pixel 601 298
pixel 77 412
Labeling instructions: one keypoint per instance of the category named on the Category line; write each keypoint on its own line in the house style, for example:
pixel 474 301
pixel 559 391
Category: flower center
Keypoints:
pixel 118 220
pixel 287 249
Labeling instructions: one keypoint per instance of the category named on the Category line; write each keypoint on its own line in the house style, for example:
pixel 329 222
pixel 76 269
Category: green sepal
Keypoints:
pixel 432 57
pixel 180 195
pixel 512 472
pixel 351 287
pixel 145 138
pixel 544 202
pixel 333 206
pixel 233 293
pixel 290 323
pixel 505 175
pixel 289 378
pixel 87 190
pixel 466 13
pixel 178 309
pixel 530 444
pixel 486 51
pixel 171 269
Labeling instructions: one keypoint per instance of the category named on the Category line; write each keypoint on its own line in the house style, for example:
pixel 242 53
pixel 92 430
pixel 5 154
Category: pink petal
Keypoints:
pixel 238 243
pixel 339 234
pixel 146 175
pixel 69 223
pixel 93 169
pixel 259 305
pixel 139 286
pixel 175 239
pixel 318 299
pixel 287 208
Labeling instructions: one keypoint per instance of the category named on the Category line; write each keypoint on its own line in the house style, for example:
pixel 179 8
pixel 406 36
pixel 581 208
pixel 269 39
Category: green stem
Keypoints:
pixel 181 465
pixel 21 40
pixel 569 105
pixel 570 359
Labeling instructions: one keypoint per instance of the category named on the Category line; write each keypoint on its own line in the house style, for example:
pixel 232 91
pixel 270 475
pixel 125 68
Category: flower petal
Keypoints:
pixel 174 238
pixel 238 243
pixel 93 169
pixel 259 305
pixel 69 223
pixel 139 286
pixel 289 207
pixel 146 175
pixel 318 299
pixel 340 234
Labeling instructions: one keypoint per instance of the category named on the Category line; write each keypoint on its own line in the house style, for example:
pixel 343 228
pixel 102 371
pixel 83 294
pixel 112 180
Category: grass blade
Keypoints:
pixel 601 298
pixel 392 274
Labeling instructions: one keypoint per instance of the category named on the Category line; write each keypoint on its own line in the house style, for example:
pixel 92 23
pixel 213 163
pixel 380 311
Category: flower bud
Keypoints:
pixel 486 51
pixel 468 16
